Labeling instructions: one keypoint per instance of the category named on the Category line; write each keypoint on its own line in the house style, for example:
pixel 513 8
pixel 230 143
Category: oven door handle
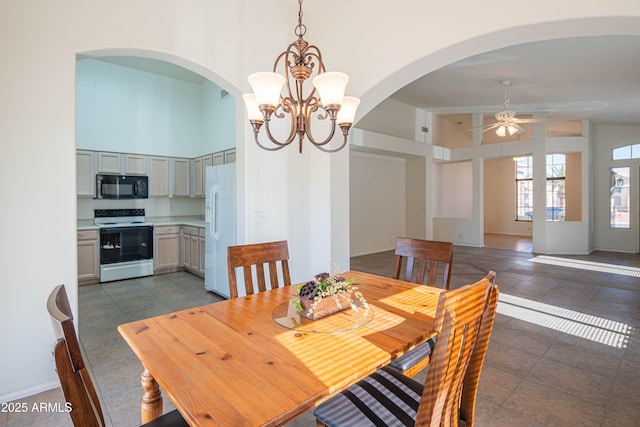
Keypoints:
pixel 214 224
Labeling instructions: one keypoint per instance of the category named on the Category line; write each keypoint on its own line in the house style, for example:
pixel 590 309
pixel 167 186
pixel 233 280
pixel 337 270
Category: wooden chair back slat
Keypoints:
pixel 253 257
pixel 425 252
pixel 76 383
pixel 459 318
pixel 472 378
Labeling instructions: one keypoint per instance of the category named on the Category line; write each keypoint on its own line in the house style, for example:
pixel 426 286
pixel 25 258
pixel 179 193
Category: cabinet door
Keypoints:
pixel 109 163
pixel 159 177
pixel 167 251
pixel 198 177
pixel 218 159
pixel 185 244
pixel 180 177
pixel 230 156
pixel 135 164
pixel 85 175
pixel 88 257
pixel 201 266
pixel 195 253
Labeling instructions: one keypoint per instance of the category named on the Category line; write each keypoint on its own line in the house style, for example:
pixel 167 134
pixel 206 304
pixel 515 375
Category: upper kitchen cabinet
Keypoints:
pixel 159 177
pixel 135 164
pixel 85 165
pixel 179 185
pixel 122 163
pixel 109 163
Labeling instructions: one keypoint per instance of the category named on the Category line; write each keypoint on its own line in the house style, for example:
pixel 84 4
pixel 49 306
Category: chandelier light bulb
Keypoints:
pixel 331 86
pixel 267 87
pixel 347 113
pixel 253 112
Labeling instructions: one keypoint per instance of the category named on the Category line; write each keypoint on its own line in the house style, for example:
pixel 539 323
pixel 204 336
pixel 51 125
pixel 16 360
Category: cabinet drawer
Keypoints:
pixel 201 232
pixel 167 229
pixel 191 231
pixel 87 234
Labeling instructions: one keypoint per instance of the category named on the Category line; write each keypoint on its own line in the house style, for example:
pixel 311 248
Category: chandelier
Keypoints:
pixel 326 97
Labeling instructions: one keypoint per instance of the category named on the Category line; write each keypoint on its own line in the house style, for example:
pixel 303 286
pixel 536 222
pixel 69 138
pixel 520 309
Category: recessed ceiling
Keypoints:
pixel 595 78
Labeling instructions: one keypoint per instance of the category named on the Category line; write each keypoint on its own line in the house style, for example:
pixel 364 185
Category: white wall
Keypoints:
pixel 377 202
pixel 454 190
pixel 128 110
pixel 224 41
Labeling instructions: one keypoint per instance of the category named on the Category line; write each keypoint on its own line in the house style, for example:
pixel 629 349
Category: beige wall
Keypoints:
pixel 499 199
pixel 573 187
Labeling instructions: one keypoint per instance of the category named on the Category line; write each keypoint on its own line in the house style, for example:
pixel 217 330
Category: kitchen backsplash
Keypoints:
pixel 154 207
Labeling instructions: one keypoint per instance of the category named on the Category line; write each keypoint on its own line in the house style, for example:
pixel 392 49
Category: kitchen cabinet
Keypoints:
pixel 200 165
pixel 193 249
pixel 88 257
pixel 85 174
pixel 159 177
pixel 201 251
pixel 109 163
pixel 198 174
pixel 135 164
pixel 230 156
pixel 166 249
pixel 217 158
pixel 180 173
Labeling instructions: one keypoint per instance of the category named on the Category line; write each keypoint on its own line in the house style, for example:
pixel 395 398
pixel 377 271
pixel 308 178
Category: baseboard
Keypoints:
pixel 27 392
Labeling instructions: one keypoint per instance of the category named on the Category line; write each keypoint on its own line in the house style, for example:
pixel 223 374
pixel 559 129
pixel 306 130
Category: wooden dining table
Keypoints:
pixel 233 363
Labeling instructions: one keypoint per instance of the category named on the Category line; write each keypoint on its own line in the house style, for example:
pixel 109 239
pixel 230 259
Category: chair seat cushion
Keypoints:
pixel 414 356
pixel 170 419
pixel 385 398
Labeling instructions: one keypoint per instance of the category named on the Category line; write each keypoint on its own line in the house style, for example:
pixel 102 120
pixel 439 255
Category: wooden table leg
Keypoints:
pixel 151 407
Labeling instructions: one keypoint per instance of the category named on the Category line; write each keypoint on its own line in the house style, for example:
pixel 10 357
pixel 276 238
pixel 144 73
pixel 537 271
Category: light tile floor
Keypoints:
pixel 564 351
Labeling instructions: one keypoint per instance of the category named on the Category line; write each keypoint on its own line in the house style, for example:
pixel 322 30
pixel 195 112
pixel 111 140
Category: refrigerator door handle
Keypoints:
pixel 214 224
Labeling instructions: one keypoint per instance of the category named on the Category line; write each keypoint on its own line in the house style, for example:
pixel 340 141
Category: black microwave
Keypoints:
pixel 122 187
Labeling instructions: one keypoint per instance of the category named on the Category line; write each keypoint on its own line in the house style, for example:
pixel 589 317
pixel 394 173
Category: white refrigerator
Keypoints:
pixel 220 225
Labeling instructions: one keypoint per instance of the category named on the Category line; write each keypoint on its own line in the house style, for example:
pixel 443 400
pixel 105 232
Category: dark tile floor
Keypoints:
pixel 564 351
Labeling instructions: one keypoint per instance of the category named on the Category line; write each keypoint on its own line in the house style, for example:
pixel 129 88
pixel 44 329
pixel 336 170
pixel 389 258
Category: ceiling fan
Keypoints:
pixel 507 122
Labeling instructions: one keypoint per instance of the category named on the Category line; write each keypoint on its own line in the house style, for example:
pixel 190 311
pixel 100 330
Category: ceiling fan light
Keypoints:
pixel 501 131
pixel 512 130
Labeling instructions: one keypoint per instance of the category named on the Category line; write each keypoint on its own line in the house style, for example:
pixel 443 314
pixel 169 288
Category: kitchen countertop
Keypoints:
pixel 193 221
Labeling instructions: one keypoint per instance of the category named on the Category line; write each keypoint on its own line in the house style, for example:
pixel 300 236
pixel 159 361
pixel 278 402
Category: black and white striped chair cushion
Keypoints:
pixel 385 398
pixel 411 358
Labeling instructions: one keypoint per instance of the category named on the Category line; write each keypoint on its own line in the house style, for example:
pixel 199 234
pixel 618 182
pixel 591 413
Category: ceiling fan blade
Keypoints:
pixel 517 120
pixel 486 127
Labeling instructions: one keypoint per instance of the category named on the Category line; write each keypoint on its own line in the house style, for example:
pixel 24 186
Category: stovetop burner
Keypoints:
pixel 120 218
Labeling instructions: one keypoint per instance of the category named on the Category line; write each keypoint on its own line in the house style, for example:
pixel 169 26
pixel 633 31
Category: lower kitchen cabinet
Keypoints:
pixel 193 249
pixel 88 257
pixel 166 249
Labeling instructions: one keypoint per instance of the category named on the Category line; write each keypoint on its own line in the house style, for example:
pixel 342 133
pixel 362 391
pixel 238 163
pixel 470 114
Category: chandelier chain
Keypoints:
pixel 301 29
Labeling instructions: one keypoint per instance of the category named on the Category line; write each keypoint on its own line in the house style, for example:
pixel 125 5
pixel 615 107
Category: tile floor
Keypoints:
pixel 564 350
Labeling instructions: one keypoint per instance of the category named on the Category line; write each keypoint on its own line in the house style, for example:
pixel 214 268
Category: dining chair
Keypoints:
pixel 436 254
pixel 75 380
pixel 257 255
pixel 389 398
pixel 423 253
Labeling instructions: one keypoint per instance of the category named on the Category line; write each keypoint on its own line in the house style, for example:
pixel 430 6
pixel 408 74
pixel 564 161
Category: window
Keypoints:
pixel 556 175
pixel 619 203
pixel 626 152
pixel 524 188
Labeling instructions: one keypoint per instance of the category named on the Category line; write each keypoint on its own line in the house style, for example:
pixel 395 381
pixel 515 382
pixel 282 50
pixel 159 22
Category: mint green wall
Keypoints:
pixel 128 110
